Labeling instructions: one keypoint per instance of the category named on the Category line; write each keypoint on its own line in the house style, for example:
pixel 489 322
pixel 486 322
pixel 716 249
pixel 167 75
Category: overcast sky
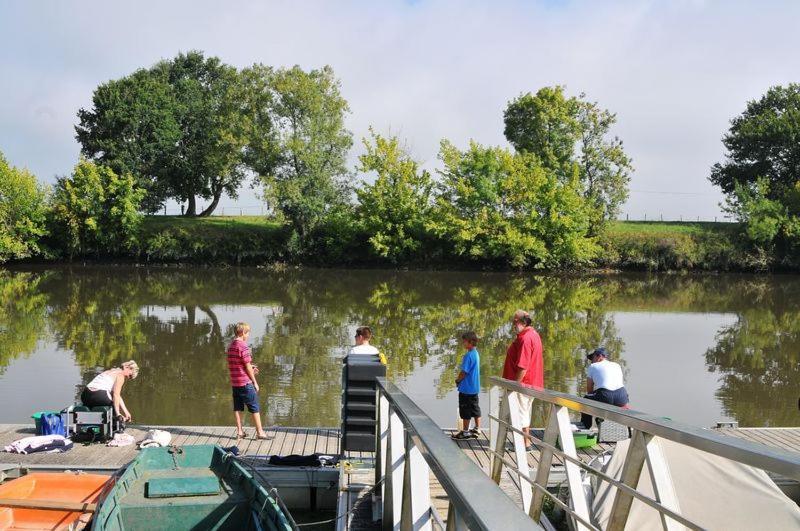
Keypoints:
pixel 675 72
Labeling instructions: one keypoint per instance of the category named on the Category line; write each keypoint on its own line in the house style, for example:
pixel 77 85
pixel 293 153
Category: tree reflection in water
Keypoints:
pixel 177 322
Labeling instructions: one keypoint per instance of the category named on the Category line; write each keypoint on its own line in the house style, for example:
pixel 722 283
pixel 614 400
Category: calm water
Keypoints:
pixel 695 348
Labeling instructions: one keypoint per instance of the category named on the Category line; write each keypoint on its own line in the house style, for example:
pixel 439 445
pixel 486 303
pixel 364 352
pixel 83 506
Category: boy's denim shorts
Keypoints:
pixel 245 396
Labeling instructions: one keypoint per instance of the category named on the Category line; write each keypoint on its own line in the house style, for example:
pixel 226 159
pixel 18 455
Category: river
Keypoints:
pixel 695 348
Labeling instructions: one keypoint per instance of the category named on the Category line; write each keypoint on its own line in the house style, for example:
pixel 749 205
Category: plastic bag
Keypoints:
pixel 53 425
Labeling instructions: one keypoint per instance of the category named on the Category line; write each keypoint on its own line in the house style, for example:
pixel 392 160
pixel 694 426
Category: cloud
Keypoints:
pixel 674 72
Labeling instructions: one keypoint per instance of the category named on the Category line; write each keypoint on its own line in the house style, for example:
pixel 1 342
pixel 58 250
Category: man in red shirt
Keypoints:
pixel 524 364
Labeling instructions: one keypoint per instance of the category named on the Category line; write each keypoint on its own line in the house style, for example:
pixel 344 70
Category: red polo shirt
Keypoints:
pixel 525 353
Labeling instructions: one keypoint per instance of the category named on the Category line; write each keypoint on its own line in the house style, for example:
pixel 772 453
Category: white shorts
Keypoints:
pixel 520 407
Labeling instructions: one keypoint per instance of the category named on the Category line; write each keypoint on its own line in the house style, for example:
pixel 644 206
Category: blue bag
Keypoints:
pixel 52 424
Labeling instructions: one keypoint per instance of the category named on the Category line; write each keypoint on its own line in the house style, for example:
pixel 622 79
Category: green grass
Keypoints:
pixel 671 227
pixel 211 223
pixel 216 239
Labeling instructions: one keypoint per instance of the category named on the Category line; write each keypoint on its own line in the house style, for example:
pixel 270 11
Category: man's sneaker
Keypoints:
pixel 461 436
pixel 475 433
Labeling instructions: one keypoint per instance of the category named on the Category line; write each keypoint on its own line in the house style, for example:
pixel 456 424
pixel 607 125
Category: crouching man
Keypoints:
pixel 604 383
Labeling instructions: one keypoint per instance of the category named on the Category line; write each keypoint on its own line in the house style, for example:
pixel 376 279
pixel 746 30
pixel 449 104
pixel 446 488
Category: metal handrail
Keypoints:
pixel 478 500
pixel 655 504
pixel 757 455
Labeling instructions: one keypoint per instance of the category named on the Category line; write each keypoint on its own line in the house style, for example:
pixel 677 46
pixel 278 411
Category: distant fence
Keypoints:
pixel 679 218
pixel 229 210
pixel 263 210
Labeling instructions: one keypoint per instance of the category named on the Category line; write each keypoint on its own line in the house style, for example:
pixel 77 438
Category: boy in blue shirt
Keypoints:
pixel 469 388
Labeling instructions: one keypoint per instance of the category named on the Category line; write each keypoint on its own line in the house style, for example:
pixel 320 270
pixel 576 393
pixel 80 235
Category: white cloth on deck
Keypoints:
pixel 39 443
pixel 121 439
pixel 156 438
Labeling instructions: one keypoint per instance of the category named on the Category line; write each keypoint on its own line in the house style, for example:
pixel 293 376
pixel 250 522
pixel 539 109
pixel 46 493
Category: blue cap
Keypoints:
pixel 599 350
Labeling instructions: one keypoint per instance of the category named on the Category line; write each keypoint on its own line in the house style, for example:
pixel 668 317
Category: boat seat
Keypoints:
pixel 172 487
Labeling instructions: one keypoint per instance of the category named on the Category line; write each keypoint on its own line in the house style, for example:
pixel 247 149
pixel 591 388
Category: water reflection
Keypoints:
pixel 176 323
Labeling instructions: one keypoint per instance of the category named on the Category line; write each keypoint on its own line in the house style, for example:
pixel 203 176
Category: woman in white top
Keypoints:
pixel 106 389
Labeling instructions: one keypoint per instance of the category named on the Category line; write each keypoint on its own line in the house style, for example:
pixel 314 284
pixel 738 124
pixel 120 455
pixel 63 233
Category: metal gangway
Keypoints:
pixel 411 446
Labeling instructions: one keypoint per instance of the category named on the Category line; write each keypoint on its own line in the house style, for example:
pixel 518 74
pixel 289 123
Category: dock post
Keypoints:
pixel 545 462
pixel 631 472
pixel 520 453
pixel 395 472
pixel 494 412
pixel 383 440
pixel 500 439
pixel 416 491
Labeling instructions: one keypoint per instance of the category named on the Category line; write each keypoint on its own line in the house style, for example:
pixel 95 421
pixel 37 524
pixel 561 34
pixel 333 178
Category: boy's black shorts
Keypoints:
pixel 468 406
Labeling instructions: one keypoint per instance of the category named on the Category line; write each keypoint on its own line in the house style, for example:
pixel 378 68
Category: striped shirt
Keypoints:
pixel 238 357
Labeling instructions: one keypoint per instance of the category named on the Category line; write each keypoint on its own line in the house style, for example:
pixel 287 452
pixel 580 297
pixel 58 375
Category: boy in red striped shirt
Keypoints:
pixel 243 381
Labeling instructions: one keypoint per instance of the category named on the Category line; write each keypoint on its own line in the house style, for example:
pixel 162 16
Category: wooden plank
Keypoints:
pixel 789 436
pixel 49 505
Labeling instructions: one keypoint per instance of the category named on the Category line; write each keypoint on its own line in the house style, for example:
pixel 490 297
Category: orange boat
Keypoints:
pixel 44 500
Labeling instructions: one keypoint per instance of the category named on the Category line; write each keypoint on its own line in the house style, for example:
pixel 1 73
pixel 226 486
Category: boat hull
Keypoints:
pixel 191 487
pixel 48 489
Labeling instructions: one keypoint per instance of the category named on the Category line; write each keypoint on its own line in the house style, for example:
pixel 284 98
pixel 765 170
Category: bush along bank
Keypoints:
pixel 639 246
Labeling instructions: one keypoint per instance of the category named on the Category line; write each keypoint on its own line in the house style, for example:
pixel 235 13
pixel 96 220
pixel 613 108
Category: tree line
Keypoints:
pixel 193 127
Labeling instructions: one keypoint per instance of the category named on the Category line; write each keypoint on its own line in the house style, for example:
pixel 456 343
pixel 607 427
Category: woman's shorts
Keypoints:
pixel 468 406
pixel 95 398
pixel 245 396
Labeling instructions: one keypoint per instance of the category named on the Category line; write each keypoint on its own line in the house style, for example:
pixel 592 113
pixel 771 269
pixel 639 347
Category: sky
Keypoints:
pixel 674 72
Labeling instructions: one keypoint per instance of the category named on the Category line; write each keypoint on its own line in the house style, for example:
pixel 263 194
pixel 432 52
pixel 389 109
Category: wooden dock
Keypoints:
pixel 303 441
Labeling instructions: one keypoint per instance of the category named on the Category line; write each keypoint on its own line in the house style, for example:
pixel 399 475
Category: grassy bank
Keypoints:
pixel 215 240
pixel 255 240
pixel 662 246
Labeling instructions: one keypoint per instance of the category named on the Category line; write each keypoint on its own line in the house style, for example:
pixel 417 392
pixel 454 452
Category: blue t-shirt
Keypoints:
pixel 471 365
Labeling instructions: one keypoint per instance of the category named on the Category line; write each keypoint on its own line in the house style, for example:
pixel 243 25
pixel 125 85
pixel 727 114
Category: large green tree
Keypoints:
pixel 761 173
pixel 96 211
pixel 763 142
pixel 304 175
pixel 393 208
pixel 22 212
pixel 177 126
pixel 507 207
pixel 569 134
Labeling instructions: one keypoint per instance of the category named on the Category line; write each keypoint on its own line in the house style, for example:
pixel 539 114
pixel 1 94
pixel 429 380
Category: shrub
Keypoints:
pixel 95 211
pixel 22 213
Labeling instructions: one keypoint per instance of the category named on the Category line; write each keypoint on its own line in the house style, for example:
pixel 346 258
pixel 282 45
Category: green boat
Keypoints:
pixel 190 487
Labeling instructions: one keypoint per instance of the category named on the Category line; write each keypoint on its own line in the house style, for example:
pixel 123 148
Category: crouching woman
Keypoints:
pixel 106 389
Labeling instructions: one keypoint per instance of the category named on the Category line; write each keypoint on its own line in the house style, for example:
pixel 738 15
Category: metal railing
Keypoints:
pixel 410 446
pixel 644 449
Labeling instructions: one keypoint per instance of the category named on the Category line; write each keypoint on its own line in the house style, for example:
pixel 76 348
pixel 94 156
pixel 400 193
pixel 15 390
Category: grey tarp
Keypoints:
pixel 713 492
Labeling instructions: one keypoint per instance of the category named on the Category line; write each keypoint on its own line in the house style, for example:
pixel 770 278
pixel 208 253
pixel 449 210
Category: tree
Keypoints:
pixel 304 176
pixel 96 211
pixel 763 142
pixel 23 212
pixel 394 208
pixel 177 126
pixel 496 205
pixel 568 133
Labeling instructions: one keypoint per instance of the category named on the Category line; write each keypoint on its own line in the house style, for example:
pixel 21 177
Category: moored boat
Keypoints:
pixel 54 501
pixel 190 487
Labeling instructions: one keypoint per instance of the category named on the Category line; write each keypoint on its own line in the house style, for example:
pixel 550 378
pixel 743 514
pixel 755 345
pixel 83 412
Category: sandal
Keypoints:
pixel 263 437
pixel 241 434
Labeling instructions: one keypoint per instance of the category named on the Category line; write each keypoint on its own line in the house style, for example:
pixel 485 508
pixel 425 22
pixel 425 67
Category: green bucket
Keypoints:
pixel 582 440
pixel 37 419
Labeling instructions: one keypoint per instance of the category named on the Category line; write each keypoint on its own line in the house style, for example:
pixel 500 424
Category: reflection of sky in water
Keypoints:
pixel 693 347
pixel 665 371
